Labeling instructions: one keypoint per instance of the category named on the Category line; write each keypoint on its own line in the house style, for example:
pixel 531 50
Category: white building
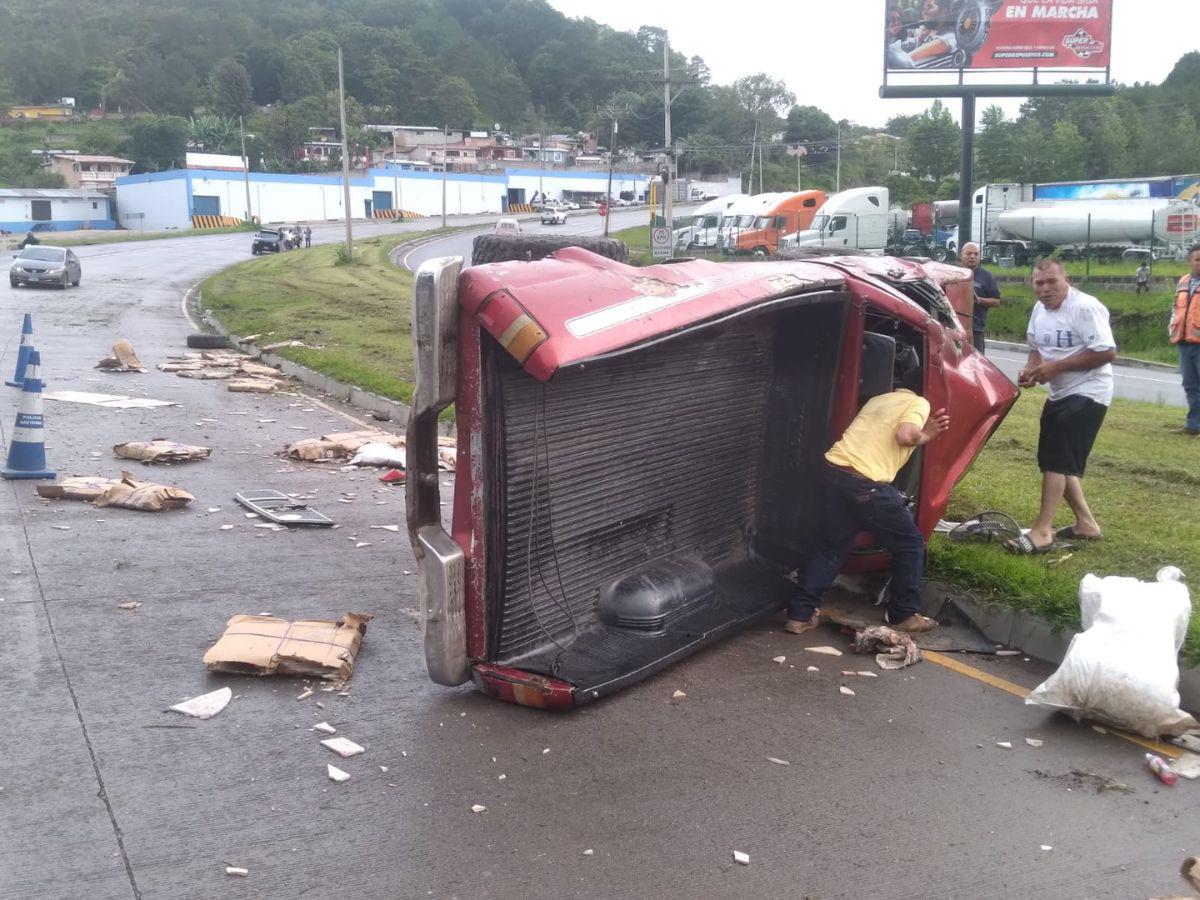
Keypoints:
pixel 54 209
pixel 171 199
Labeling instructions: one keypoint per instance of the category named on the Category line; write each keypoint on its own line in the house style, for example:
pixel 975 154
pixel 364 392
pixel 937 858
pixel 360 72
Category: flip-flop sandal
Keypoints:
pixel 1068 533
pixel 1023 546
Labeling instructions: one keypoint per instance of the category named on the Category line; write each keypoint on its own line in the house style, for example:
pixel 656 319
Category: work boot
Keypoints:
pixel 796 626
pixel 915 624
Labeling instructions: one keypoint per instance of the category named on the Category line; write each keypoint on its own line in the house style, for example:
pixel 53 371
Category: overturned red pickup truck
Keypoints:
pixel 638 448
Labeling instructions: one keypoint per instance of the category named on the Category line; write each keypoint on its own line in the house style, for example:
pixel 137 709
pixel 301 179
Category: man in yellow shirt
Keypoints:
pixel 857 495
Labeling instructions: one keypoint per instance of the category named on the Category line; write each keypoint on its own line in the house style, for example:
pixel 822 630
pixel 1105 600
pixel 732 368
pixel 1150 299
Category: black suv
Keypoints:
pixel 266 241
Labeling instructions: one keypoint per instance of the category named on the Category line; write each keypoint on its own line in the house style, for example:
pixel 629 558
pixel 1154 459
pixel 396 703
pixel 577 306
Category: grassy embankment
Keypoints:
pixel 354 318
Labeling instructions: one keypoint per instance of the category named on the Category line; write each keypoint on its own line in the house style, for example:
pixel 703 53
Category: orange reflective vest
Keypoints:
pixel 1185 316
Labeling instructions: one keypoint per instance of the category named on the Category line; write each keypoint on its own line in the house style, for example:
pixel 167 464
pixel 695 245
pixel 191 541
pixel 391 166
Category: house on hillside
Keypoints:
pixel 89 173
pixel 63 109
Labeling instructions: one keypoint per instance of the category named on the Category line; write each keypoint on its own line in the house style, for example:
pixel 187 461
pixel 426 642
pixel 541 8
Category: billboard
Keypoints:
pixel 1177 187
pixel 997 34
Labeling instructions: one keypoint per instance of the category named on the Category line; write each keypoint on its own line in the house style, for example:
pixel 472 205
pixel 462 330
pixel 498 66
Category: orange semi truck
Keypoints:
pixel 791 214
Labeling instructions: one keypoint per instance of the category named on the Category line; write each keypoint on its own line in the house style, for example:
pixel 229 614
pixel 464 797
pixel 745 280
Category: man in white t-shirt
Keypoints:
pixel 1071 348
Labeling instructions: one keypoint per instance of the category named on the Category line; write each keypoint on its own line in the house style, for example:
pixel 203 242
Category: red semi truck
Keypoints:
pixel 639 448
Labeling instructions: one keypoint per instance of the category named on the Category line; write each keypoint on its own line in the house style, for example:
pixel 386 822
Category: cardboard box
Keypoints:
pixel 77 487
pixel 266 645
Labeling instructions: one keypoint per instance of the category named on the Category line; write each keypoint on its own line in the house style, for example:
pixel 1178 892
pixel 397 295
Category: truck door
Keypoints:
pixel 838 231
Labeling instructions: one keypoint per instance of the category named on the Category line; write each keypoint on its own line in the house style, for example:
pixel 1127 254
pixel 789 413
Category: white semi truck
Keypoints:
pixel 702 229
pixel 856 219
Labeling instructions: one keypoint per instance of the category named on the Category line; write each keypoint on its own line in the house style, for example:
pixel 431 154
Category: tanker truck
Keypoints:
pixel 1010 220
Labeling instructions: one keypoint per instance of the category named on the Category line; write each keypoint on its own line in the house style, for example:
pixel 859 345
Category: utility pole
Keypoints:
pixel 395 179
pixel 667 82
pixel 245 170
pixel 839 158
pixel 541 164
pixel 345 157
pixel 445 145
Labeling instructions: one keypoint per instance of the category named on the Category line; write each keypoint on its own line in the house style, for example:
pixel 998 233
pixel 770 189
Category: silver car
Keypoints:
pixel 45 265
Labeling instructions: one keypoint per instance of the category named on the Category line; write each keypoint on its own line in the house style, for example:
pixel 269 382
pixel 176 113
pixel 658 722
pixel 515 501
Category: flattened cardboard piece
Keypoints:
pixel 159 450
pixel 109 401
pixel 258 370
pixel 251 386
pixel 280 345
pixel 206 374
pixel 266 645
pixel 312 450
pixel 77 487
pixel 145 496
pixel 123 359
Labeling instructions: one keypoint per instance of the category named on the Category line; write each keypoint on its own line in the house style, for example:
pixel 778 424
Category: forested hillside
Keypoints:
pixel 179 72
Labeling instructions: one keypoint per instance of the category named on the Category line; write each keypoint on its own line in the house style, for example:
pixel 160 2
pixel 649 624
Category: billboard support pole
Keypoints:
pixel 966 171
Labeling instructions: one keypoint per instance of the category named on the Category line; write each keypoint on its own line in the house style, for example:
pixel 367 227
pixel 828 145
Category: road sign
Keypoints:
pixel 660 241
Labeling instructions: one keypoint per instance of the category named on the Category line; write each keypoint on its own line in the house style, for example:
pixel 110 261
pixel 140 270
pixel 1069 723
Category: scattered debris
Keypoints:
pixel 206 705
pixel 380 455
pixel 742 859
pixel 678 695
pixel 383 769
pixel 324 728
pixel 1099 729
pixel 1191 871
pixel 544 752
pixel 1078 778
pixel 1034 742
pixel 366 448
pixel 812 669
pixel 227 528
pixel 393 476
pixel 1008 652
pixel 160 450
pixel 336 774
pixel 146 496
pixel 77 487
pixel 281 509
pixel 825 651
pixel 237 870
pixel 1004 745
pixel 478 808
pixel 899 651
pixel 1161 768
pixel 1047 847
pixel 280 345
pixel 123 359
pixel 867 675
pixel 214 509
pixel 778 762
pixel 392 528
pixel 265 645
pixel 61 527
pixel 780 659
pixel 502 777
pixel 343 747
pixel 129 604
pixel 845 690
pixel 362 544
pixel 252 386
pixel 109 401
pixel 1188 765
pixel 589 852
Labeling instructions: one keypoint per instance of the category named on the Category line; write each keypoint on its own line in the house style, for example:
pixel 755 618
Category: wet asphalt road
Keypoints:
pixel 888 793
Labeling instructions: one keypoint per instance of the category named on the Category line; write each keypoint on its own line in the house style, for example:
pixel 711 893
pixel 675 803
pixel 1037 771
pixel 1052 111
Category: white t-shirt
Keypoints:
pixel 1080 323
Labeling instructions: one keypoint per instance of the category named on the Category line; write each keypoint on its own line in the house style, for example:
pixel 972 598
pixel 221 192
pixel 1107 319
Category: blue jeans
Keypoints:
pixel 1189 367
pixel 850 504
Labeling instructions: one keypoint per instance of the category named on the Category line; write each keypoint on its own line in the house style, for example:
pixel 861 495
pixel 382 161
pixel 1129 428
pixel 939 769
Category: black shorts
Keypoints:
pixel 1069 428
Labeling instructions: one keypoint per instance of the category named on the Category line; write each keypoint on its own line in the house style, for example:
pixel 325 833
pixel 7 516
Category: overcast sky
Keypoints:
pixel 829 51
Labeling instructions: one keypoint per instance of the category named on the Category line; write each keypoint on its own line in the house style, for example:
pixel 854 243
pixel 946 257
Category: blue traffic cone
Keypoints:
pixel 27 449
pixel 18 380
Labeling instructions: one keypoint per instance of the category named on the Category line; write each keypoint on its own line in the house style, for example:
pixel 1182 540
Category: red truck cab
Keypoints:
pixel 639 449
pixel 790 215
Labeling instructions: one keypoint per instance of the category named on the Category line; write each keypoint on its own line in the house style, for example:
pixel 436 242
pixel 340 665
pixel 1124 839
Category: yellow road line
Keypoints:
pixel 957 665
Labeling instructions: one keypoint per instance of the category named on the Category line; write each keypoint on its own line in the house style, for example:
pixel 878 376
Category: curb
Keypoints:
pixel 1032 634
pixel 1120 360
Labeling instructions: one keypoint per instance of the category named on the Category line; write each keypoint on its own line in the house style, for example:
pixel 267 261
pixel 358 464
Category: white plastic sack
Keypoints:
pixel 1123 668
pixel 379 455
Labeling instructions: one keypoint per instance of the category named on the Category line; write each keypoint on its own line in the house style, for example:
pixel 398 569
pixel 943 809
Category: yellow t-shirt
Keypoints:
pixel 869 445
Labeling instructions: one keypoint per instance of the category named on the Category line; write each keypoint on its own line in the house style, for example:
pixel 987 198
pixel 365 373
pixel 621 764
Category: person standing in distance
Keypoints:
pixel 987 292
pixel 1142 276
pixel 1185 331
pixel 1071 349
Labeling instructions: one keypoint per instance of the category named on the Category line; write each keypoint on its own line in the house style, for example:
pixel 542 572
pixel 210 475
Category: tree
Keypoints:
pixel 232 93
pixel 806 124
pixel 762 96
pixel 158 142
pixel 994 148
pixel 215 134
pixel 454 103
pixel 933 143
pixel 1064 153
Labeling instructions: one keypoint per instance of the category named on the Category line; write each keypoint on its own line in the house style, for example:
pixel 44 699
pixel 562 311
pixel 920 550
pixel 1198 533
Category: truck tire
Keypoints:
pixel 489 248
pixel 993 255
pixel 207 341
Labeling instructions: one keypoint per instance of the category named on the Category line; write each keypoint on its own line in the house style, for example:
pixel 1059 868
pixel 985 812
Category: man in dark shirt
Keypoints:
pixel 987 292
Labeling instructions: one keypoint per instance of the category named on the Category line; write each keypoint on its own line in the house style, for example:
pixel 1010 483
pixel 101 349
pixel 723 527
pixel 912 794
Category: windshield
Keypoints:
pixel 763 221
pixel 819 222
pixel 50 254
pixel 269 235
pixel 743 221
